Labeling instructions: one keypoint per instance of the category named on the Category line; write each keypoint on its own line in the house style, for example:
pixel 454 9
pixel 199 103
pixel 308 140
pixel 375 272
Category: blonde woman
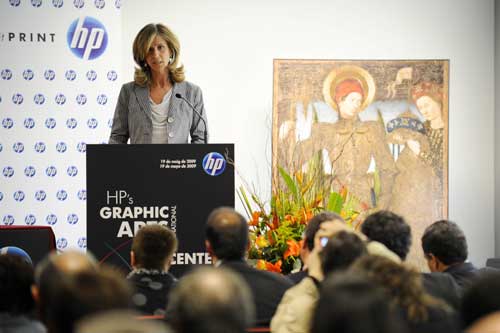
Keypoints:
pixel 159 106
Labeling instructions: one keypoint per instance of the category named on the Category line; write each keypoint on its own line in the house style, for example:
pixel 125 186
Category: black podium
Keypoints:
pixel 177 185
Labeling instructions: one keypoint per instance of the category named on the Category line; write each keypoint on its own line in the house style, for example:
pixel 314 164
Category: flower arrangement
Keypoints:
pixel 276 229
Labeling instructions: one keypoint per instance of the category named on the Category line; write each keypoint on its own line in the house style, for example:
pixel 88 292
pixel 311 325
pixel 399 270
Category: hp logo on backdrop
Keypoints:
pixel 51 171
pixel 214 164
pixel 92 123
pixel 82 195
pixel 15 3
pixel 40 147
pixel 81 99
pixel 100 4
pixel 30 219
pixel 29 171
pixel 62 243
pixel 110 123
pixel 19 196
pixel 8 172
pixel 1 196
pixel 50 123
pixel 8 219
pixel 118 4
pixel 71 123
pixel 7 123
pixel 70 75
pixel 57 3
pixel 78 3
pixel 18 147
pixel 112 76
pixel 91 75
pixel 81 147
pixel 72 171
pixel 6 74
pixel 60 99
pixel 82 242
pixel 87 38
pixel 61 147
pixel 39 99
pixel 51 219
pixel 28 74
pixel 49 75
pixel 102 99
pixel 40 195
pixel 29 123
pixel 17 99
pixel 62 195
pixel 1 147
pixel 72 219
pixel 36 3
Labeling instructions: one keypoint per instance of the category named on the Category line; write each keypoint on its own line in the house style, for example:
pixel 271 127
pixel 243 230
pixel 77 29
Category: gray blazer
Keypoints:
pixel 132 119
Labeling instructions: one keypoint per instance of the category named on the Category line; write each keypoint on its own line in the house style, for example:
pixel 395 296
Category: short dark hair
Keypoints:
pixel 389 229
pixel 341 251
pixel 481 297
pixel 314 223
pixel 16 278
pixel 227 233
pixel 153 245
pixel 446 241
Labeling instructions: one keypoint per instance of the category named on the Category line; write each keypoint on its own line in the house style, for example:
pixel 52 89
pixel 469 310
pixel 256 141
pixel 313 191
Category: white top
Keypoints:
pixel 160 118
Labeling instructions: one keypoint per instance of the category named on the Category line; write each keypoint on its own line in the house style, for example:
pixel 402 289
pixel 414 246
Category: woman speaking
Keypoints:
pixel 158 106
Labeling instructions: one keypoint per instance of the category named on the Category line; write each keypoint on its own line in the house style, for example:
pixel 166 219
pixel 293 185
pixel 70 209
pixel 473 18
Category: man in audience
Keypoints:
pixel 445 249
pixel 16 302
pixel 226 237
pixel 211 300
pixel 153 248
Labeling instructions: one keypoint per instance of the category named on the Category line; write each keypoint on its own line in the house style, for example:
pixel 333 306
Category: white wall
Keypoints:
pixel 228 49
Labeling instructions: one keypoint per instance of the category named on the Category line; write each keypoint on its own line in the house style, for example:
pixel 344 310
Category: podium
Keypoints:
pixel 176 185
pixel 37 241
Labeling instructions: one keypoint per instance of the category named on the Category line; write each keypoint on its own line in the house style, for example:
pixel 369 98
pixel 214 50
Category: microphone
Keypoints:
pixel 199 115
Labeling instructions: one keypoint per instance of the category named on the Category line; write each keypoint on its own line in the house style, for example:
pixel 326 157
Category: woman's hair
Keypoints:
pixel 142 43
pixel 402 283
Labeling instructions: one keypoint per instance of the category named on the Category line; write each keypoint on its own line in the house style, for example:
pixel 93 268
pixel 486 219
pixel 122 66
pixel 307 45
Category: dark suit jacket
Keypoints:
pixel 443 287
pixel 267 288
pixel 463 273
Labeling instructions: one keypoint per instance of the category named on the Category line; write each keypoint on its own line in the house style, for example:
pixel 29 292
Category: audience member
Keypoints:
pixel 481 298
pixel 211 300
pixel 17 251
pixel 353 304
pixel 16 302
pixel 120 321
pixel 153 248
pixel 227 241
pixel 487 324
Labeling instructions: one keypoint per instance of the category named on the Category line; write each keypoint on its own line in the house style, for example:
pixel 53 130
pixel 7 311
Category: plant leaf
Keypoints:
pixel 335 202
pixel 292 187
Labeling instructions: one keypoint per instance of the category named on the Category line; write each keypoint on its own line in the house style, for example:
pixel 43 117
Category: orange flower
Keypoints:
pixel 293 249
pixel 261 242
pixel 255 219
pixel 261 264
pixel 273 267
pixel 276 222
pixel 290 218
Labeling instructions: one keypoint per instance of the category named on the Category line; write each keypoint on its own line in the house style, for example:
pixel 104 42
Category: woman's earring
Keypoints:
pixel 171 60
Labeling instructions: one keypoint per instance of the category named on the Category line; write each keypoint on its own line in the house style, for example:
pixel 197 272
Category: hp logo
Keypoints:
pixel 112 76
pixel 49 75
pixel 72 219
pixel 28 74
pixel 51 171
pixel 57 3
pixel 40 147
pixel 82 242
pixel 100 4
pixel 70 75
pixel 8 172
pixel 19 196
pixel 72 171
pixel 51 219
pixel 91 75
pixel 71 123
pixel 87 38
pixel 40 195
pixel 81 99
pixel 1 196
pixel 92 123
pixel 18 147
pixel 214 164
pixel 7 123
pixel 118 4
pixel 36 3
pixel 61 147
pixel 6 74
pixel 81 147
pixel 30 219
pixel 102 99
pixel 50 123
pixel 1 147
pixel 39 99
pixel 17 99
pixel 78 3
pixel 82 195
pixel 62 243
pixel 110 123
pixel 60 99
pixel 15 3
pixel 29 171
pixel 8 219
pixel 29 123
pixel 61 195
